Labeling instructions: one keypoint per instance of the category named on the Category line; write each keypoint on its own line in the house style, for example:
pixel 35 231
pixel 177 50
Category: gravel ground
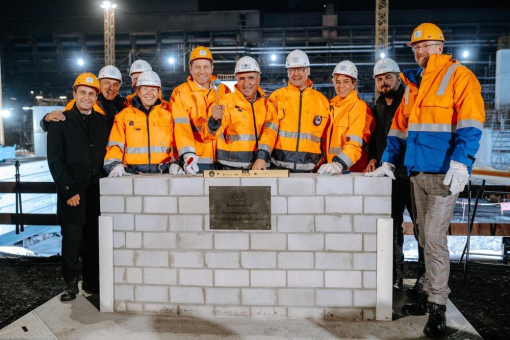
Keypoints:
pixel 484 299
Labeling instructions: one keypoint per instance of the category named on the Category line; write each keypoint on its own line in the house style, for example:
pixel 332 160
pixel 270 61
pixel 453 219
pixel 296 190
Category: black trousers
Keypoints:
pixel 82 240
pixel 400 200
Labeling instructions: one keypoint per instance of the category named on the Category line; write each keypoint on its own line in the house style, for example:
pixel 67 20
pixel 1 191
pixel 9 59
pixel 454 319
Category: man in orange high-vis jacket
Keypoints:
pixel 351 122
pixel 438 140
pixel 238 129
pixel 303 116
pixel 141 140
pixel 190 103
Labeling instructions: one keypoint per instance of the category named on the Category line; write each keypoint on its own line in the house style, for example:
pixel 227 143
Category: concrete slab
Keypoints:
pixel 80 319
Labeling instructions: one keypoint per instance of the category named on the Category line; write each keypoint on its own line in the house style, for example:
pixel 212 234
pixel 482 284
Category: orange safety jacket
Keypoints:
pixel 141 138
pixel 98 107
pixel 445 121
pixel 240 134
pixel 352 124
pixel 303 118
pixel 189 105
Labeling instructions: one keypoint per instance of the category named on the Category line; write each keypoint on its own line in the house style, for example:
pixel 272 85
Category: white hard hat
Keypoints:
pixel 297 58
pixel 385 65
pixel 347 68
pixel 139 66
pixel 148 78
pixel 111 72
pixel 247 64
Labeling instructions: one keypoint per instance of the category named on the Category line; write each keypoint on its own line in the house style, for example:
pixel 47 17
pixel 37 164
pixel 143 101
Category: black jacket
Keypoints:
pixel 110 108
pixel 76 150
pixel 383 115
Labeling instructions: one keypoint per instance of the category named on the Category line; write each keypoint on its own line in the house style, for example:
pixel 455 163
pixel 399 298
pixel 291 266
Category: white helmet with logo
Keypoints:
pixel 347 68
pixel 297 58
pixel 139 66
pixel 385 65
pixel 111 72
pixel 149 78
pixel 247 64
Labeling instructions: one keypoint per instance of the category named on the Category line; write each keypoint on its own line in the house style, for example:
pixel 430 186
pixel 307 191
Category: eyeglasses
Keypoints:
pixel 300 70
pixel 423 48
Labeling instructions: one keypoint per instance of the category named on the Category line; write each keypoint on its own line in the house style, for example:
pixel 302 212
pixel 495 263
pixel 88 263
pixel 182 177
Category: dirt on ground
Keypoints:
pixel 484 299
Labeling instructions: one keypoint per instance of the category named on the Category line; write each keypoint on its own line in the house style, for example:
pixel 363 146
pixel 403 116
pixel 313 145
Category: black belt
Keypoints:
pixel 415 173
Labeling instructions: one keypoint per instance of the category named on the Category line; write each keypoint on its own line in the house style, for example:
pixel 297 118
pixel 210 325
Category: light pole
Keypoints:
pixel 109 32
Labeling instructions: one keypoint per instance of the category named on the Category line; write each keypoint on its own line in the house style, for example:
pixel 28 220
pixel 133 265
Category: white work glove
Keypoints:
pixel 191 163
pixel 330 168
pixel 386 169
pixel 458 176
pixel 175 169
pixel 118 171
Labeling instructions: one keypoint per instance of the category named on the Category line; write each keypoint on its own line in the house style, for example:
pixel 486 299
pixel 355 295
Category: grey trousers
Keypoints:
pixel 433 207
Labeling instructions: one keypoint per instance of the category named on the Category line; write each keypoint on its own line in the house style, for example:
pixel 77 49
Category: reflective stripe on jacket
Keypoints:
pixel 239 136
pixel 445 123
pixel 189 105
pixel 303 118
pixel 352 124
pixel 138 138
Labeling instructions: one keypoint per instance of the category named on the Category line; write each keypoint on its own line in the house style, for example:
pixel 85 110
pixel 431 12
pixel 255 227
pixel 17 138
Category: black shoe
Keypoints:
pixel 70 291
pixel 436 324
pixel 418 307
pixel 415 291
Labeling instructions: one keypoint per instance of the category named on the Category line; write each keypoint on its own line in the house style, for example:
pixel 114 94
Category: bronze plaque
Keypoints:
pixel 241 208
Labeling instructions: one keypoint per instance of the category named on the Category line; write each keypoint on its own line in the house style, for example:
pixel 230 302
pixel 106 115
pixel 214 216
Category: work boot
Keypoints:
pixel 70 291
pixel 415 291
pixel 436 324
pixel 418 307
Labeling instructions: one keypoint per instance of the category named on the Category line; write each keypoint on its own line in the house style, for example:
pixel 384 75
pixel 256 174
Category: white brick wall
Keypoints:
pixel 334 185
pixel 195 277
pixel 231 278
pixel 186 259
pixel 159 240
pixel 160 205
pixel 232 241
pixel 306 205
pixel 195 241
pixel 295 223
pixel 271 241
pixel 223 260
pixel 151 222
pixel 319 260
pixel 121 186
pixel 151 185
pixel 306 242
pixel 372 186
pixel 344 242
pixel 295 260
pixel 112 204
pixel 259 297
pixel 305 278
pixel 296 186
pixel 258 259
pixel 268 278
pixel 223 296
pixel 186 186
pixel 186 295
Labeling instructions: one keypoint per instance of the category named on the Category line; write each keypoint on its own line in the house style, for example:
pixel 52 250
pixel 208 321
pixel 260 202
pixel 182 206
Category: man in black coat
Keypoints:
pixel 76 150
pixel 109 100
pixel 392 90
